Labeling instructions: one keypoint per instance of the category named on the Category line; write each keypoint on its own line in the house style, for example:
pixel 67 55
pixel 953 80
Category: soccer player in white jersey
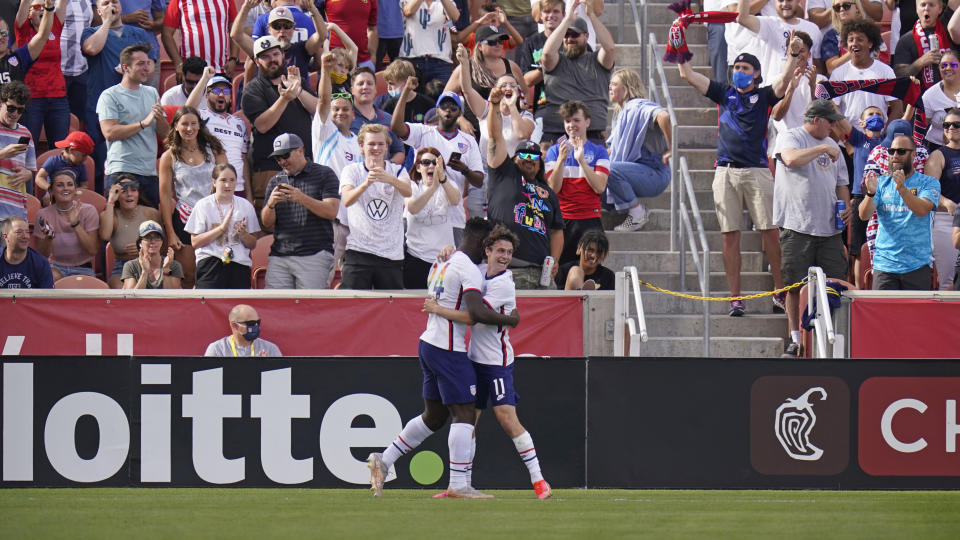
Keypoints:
pixel 334 145
pixel 228 128
pixel 449 380
pixel 492 354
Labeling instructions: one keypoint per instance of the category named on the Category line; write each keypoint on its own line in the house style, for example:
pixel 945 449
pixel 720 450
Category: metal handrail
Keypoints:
pixel 628 281
pixel 823 332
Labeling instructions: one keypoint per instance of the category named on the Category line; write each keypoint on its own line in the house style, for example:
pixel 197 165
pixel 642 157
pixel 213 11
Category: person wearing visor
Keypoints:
pixel 149 270
pixel 244 338
pixel 520 199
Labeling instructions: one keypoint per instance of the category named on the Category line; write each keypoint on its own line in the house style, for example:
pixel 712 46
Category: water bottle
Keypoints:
pixel 838 215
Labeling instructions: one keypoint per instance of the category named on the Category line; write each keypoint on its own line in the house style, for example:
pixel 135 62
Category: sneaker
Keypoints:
pixel 633 223
pixel 792 350
pixel 779 302
pixel 466 492
pixel 378 472
pixel 543 489
pixel 737 308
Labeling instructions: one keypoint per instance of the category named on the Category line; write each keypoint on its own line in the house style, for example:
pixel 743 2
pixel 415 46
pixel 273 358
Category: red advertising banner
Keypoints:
pixel 903 328
pixel 908 426
pixel 387 326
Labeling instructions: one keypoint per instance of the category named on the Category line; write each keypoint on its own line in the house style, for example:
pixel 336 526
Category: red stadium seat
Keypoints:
pixel 866 267
pixel 92 197
pixel 80 282
pixel 169 82
pixel 381 84
pixel 33 206
pixel 259 258
pixel 108 256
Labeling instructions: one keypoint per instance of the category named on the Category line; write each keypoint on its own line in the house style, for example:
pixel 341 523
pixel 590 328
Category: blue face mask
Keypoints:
pixel 252 333
pixel 394 93
pixel 742 80
pixel 874 123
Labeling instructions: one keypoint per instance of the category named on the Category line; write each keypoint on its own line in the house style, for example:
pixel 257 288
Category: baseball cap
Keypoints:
pixel 264 44
pixel 284 143
pixel 486 33
pixel 897 127
pixel 217 79
pixel 451 96
pixel 822 108
pixel 579 25
pixel 77 140
pixel 150 226
pixel 280 14
pixel 528 147
pixel 748 59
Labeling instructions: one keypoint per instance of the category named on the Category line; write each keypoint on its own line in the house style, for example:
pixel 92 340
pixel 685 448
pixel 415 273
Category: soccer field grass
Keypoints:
pixel 594 514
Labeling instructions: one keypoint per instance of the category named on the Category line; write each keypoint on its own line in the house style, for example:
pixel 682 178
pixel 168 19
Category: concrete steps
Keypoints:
pixel 721 346
pixel 657 303
pixel 659 241
pixel 755 281
pixel 669 261
pixel 722 325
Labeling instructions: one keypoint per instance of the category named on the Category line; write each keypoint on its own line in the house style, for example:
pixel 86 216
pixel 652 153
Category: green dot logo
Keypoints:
pixel 426 467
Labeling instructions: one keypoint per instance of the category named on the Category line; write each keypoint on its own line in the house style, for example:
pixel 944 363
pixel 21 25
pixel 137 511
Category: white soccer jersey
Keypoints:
pixel 447 282
pixel 335 150
pixel 376 218
pixel 422 136
pixel 491 344
pixel 232 133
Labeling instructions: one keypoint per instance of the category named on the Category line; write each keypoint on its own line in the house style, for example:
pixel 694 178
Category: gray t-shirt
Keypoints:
pixel 804 197
pixel 261 347
pixel 136 154
pixel 582 79
pixel 132 269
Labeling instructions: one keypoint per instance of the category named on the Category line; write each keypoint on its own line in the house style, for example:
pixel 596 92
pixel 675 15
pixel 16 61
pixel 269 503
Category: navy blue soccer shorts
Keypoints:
pixel 495 383
pixel 448 376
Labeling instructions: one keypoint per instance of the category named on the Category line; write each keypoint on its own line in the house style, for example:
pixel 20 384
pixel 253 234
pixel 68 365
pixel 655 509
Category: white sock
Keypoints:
pixel 796 336
pixel 637 211
pixel 409 438
pixel 473 457
pixel 460 456
pixel 524 445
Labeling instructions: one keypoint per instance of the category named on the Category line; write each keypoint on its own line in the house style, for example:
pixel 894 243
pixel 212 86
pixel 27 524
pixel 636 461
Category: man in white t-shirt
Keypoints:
pixel 862 37
pixel 460 150
pixel 177 95
pixel 773 33
pixel 449 379
pixel 230 129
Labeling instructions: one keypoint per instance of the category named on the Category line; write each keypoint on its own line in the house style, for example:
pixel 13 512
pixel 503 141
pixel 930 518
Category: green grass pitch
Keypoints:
pixel 582 514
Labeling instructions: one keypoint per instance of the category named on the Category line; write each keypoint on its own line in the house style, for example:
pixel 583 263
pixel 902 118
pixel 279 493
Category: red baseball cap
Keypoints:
pixel 77 140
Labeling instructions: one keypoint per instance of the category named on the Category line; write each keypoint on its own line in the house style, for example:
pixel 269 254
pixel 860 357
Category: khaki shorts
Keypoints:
pixel 732 188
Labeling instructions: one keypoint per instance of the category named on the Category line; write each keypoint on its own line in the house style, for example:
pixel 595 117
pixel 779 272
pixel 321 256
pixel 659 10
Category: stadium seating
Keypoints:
pixel 108 257
pixel 259 257
pixel 80 282
pixel 169 82
pixel 90 196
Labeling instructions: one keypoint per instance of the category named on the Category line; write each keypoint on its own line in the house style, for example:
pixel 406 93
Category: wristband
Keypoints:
pixel 234 58
pixel 444 181
pixel 74 225
pixel 45 8
pixel 140 123
pixel 868 194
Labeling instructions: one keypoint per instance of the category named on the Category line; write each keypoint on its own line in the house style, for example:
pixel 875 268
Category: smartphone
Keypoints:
pixel 23 140
pixel 454 155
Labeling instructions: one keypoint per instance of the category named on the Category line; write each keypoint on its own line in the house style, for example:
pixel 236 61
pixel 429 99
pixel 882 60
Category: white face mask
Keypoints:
pixel 394 93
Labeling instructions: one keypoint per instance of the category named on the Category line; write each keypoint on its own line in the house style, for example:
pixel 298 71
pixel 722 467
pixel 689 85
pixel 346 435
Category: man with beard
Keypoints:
pixel 915 56
pixel 904 201
pixel 275 103
pixel 131 119
pixel 576 74
pixel 449 140
pixel 772 32
pixel 863 37
pixel 531 52
pixel 21 267
pixel 281 26
pixel 230 129
pixel 521 199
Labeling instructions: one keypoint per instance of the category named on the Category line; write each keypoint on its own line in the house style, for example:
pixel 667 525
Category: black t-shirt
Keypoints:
pixel 906 51
pixel 260 95
pixel 413 112
pixel 299 231
pixel 528 58
pixel 14 66
pixel 602 275
pixel 531 210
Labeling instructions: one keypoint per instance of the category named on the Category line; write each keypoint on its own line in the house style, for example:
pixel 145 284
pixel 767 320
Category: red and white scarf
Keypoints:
pixel 923 47
pixel 677 51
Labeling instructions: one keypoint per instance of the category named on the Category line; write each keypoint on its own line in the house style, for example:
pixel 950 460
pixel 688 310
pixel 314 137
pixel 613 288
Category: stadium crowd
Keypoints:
pixel 293 144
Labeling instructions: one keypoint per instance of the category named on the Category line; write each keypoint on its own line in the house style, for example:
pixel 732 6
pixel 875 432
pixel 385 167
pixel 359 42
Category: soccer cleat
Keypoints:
pixel 543 489
pixel 465 492
pixel 737 308
pixel 792 350
pixel 633 224
pixel 779 302
pixel 378 472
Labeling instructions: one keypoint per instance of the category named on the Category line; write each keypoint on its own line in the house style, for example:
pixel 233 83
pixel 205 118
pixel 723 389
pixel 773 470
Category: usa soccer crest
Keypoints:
pixel 462 147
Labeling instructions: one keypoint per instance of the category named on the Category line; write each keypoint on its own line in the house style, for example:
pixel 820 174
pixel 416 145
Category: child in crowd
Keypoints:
pixel 346 59
pixel 396 76
pixel 76 147
pixel 863 138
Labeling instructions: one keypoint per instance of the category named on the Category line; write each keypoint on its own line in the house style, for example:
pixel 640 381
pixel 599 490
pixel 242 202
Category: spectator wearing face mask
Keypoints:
pixel 244 338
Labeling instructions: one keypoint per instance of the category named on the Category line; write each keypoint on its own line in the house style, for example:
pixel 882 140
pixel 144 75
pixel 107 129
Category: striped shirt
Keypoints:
pixel 13 199
pixel 78 16
pixel 577 199
pixel 205 28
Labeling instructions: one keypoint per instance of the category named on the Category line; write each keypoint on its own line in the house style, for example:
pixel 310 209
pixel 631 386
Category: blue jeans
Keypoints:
pixel 52 113
pixel 431 68
pixel 149 187
pixel 629 181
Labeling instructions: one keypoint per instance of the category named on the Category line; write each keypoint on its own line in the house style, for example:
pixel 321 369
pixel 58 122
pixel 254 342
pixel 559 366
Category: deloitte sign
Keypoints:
pixel 206 422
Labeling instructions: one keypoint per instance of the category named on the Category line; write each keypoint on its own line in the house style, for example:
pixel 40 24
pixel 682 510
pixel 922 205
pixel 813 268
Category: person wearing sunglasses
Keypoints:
pixel 904 201
pixel 282 27
pixel 576 74
pixel 213 99
pixel 244 338
pixel 177 94
pixel 944 164
pixel 863 39
pixel 521 200
pixel 119 221
pixel 19 159
pixel 428 228
pixel 49 109
pixel 941 97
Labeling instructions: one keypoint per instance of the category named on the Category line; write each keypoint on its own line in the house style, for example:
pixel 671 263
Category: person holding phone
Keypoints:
pixel 67 231
pixel 18 156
